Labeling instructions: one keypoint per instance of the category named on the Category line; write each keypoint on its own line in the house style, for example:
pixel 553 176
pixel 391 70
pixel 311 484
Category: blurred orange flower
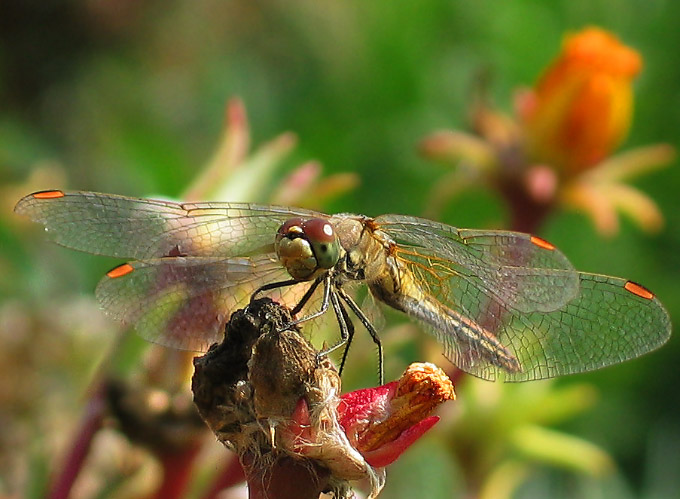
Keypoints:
pixel 581 108
pixel 559 149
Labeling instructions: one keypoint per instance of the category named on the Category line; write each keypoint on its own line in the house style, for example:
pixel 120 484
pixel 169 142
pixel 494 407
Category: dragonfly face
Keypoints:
pixel 503 304
pixel 307 248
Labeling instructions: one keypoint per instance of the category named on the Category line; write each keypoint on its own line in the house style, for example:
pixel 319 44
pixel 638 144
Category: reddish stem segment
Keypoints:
pixel 177 467
pixel 89 425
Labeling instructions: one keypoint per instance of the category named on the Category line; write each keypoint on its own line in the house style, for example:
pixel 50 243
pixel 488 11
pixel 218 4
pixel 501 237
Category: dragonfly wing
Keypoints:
pixel 610 321
pixel 550 321
pixel 184 302
pixel 513 266
pixel 119 226
pixel 606 323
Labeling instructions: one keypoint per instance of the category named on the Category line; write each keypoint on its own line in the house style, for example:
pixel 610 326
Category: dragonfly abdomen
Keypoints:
pixel 468 344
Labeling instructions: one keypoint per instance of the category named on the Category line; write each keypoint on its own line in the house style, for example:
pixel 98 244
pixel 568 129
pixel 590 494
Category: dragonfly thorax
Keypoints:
pixel 306 248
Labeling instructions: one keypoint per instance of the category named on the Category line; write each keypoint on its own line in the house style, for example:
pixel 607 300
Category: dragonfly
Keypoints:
pixel 504 305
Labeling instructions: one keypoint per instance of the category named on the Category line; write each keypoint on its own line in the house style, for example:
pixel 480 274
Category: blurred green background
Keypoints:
pixel 128 97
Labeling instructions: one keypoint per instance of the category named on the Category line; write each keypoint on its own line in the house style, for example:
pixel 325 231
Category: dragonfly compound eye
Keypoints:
pixel 290 228
pixel 321 236
pixel 294 250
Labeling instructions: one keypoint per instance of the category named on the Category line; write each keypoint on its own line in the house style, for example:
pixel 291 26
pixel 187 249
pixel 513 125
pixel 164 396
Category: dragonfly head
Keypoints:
pixel 307 247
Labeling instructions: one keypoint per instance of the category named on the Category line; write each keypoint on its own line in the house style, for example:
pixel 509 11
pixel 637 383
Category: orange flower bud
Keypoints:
pixel 581 108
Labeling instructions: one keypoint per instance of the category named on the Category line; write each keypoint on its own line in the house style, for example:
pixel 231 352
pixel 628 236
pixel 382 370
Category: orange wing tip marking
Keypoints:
pixel 639 290
pixel 120 271
pixel 542 243
pixel 49 195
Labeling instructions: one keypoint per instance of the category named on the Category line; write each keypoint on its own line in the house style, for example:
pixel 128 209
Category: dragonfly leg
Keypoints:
pixel 270 286
pixel 308 294
pixel 369 327
pixel 273 285
pixel 303 301
pixel 346 325
pixel 324 304
pixel 346 330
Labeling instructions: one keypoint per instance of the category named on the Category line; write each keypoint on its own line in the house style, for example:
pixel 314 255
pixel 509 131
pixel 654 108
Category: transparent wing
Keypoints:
pixel 119 226
pixel 511 265
pixel 523 293
pixel 184 302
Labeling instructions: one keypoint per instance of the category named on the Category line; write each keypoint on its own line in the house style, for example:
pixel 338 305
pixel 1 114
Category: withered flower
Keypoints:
pixel 379 422
pixel 269 396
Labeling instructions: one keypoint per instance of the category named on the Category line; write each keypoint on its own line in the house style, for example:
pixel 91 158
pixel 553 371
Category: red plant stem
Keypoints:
pixel 177 468
pixel 526 215
pixel 232 474
pixel 287 478
pixel 89 425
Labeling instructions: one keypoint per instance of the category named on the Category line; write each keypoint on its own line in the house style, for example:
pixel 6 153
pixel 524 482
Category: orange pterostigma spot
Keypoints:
pixel 638 289
pixel 542 243
pixel 49 195
pixel 120 271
